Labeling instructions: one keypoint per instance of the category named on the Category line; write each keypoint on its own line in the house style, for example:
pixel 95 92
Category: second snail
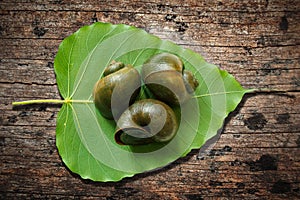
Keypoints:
pixel 116 96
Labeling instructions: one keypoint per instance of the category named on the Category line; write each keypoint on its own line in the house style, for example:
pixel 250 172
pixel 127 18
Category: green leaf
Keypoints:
pixel 85 139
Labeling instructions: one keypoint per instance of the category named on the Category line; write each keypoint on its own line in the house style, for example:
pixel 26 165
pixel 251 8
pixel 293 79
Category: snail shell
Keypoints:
pixel 118 89
pixel 165 77
pixel 146 121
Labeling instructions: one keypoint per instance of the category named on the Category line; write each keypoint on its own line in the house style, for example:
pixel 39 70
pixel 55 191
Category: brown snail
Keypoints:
pixel 146 121
pixel 165 77
pixel 118 89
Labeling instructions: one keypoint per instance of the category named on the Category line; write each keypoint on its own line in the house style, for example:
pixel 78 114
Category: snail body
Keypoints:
pixel 146 121
pixel 165 77
pixel 118 89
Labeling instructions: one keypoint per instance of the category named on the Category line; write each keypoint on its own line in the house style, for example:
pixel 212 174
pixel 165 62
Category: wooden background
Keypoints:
pixel 258 153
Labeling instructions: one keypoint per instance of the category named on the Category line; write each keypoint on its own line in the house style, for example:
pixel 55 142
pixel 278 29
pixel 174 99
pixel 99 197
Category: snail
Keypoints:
pixel 149 120
pixel 119 88
pixel 165 77
pixel 146 121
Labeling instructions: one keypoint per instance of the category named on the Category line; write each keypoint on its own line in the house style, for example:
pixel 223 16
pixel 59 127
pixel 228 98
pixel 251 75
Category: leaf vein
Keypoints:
pixel 88 61
pixel 101 135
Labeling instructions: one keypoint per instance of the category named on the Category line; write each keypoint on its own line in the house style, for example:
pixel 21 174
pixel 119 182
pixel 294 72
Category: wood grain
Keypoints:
pixel 258 153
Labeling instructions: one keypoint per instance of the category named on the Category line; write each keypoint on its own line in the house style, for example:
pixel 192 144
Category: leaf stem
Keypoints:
pixel 51 101
pixel 60 101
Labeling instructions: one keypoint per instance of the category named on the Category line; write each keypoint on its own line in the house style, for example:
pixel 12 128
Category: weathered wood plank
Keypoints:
pixel 281 71
pixel 153 6
pixel 43 24
pixel 257 155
